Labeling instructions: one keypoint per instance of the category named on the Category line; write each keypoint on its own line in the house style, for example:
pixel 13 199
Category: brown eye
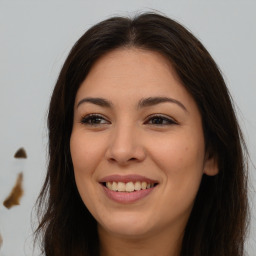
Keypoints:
pixel 160 120
pixel 94 120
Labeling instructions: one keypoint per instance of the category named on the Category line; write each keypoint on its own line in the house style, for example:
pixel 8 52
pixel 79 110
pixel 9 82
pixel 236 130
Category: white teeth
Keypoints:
pixel 121 186
pixel 129 186
pixel 109 185
pixel 143 185
pixel 114 186
pixel 137 185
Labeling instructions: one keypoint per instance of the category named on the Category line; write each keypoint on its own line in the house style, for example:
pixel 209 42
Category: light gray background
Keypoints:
pixel 35 38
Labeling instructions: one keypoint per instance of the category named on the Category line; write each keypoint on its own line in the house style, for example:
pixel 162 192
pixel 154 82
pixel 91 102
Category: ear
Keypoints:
pixel 211 167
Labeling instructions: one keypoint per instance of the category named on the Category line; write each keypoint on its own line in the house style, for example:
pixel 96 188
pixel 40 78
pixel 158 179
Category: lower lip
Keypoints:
pixel 127 197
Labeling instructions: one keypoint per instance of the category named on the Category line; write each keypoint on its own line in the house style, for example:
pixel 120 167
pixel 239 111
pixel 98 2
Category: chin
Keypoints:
pixel 128 226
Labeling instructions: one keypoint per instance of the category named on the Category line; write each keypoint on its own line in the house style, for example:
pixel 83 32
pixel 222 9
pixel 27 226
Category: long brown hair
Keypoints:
pixel 217 224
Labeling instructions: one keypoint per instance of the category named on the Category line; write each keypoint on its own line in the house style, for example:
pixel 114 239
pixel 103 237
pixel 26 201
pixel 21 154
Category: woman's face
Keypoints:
pixel 137 145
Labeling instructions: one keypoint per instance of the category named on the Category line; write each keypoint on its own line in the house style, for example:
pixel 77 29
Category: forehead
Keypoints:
pixel 132 73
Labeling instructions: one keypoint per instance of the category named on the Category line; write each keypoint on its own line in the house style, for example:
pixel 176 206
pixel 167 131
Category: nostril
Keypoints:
pixel 122 161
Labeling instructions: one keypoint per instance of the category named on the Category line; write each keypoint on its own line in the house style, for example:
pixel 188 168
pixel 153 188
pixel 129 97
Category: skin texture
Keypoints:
pixel 128 139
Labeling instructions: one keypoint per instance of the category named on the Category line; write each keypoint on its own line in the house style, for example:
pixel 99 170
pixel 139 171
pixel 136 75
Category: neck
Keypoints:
pixel 158 244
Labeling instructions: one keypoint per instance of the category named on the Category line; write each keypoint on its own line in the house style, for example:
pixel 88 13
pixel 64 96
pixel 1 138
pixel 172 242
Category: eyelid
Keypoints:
pixel 171 120
pixel 93 115
pixel 88 117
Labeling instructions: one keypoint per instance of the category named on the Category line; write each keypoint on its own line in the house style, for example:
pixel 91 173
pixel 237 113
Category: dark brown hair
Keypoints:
pixel 217 224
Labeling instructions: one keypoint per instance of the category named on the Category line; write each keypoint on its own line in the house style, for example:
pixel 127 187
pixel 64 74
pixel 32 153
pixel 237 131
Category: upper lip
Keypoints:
pixel 127 178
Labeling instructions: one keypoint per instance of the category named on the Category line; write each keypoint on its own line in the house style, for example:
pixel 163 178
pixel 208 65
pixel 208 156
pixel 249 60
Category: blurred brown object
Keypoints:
pixel 16 194
pixel 21 153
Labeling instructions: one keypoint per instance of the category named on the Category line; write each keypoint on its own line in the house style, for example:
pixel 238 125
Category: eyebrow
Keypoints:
pixel 146 102
pixel 97 101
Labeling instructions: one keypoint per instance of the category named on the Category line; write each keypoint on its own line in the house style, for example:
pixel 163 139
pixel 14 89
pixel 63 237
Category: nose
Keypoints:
pixel 125 146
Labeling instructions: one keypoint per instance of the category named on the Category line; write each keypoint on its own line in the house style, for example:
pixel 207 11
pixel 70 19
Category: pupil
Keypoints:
pixel 157 121
pixel 96 120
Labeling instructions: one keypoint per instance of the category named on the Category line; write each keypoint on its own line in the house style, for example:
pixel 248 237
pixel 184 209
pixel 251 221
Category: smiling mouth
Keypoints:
pixel 129 187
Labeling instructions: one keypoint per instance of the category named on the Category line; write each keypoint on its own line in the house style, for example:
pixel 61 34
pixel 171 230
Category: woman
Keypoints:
pixel 145 152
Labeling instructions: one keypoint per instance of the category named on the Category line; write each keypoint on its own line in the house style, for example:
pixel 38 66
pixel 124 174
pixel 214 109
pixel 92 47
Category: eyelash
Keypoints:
pixel 88 120
pixel 91 118
pixel 167 120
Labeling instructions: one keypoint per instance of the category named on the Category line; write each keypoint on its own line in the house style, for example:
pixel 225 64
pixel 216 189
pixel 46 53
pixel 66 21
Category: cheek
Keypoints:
pixel 178 154
pixel 182 164
pixel 181 159
pixel 86 152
